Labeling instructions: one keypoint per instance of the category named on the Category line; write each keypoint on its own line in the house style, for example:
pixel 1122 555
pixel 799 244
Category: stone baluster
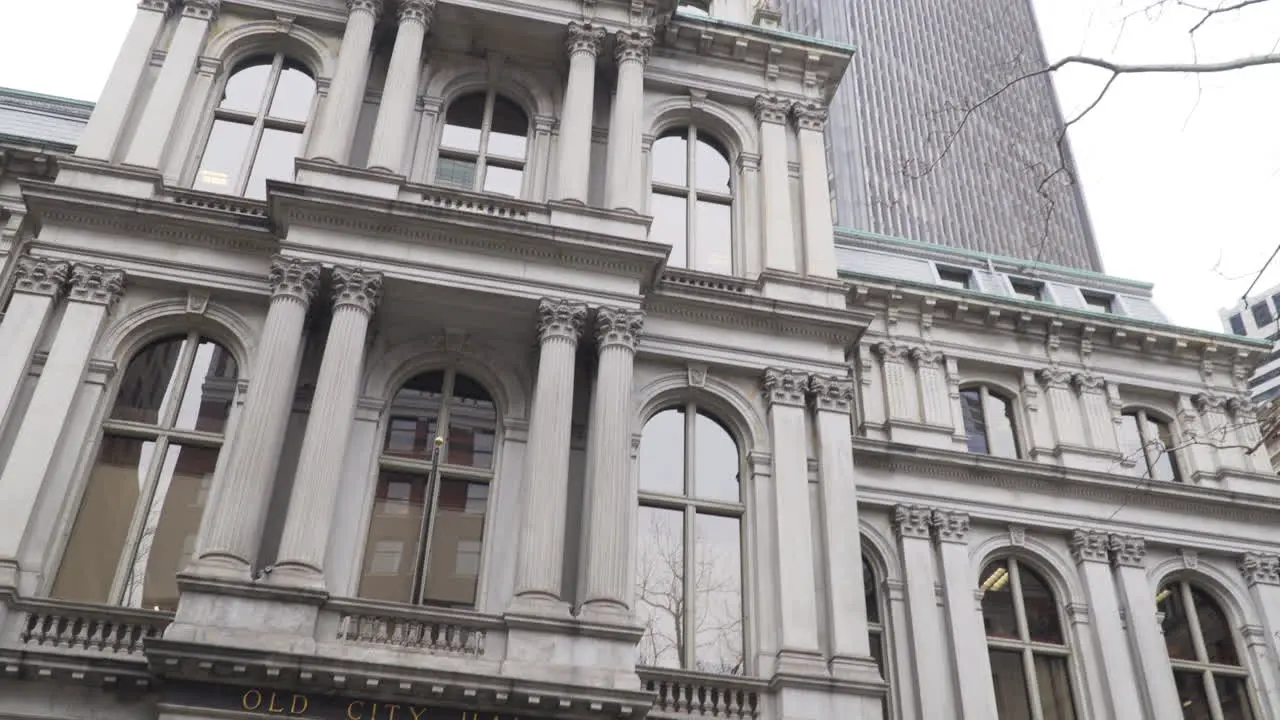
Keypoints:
pixel 341 109
pixel 391 130
pixel 779 227
pixel 626 123
pixel 1261 573
pixel 540 558
pixel 912 524
pixel 232 527
pixel 815 190
pixel 1137 600
pixel 319 473
pixel 573 166
pixel 1064 410
pixel 1090 551
pixel 38 284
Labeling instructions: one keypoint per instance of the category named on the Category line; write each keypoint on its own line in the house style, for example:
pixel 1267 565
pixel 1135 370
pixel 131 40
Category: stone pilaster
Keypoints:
pixel 1244 417
pixel 779 231
pixel 902 401
pixel 1090 549
pixel 968 638
pixel 232 529
pixel 626 122
pixel 1146 638
pixel 38 284
pixel 815 190
pixel 540 559
pixel 389 147
pixel 1098 423
pixel 612 497
pixel 1064 410
pixel 934 396
pixel 324 446
pixel 336 130
pixel 573 165
pixel 912 525
pixel 1261 573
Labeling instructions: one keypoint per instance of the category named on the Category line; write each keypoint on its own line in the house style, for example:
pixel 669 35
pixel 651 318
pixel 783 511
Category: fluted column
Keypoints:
pixel 935 396
pixel 1097 411
pixel 38 284
pixel 388 150
pixel 968 637
pixel 573 164
pixel 324 446
pixel 626 122
pixel 611 526
pixel 94 291
pixel 779 227
pixel 341 109
pixel 1261 573
pixel 912 524
pixel 232 528
pixel 102 134
pixel 1137 599
pixel 540 559
pixel 902 400
pixel 815 191
pixel 159 115
pixel 1090 551
pixel 1063 408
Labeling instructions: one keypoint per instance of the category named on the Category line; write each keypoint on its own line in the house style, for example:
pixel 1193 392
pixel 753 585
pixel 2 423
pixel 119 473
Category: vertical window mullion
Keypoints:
pixel 486 124
pixel 255 132
pixel 1024 635
pixel 432 489
pixel 688 634
pixel 181 376
pixel 142 510
pixel 691 197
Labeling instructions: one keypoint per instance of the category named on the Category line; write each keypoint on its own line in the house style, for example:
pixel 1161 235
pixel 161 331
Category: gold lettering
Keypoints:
pixel 271 705
pixel 417 712
pixel 393 708
pixel 352 708
pixel 251 704
pixel 299 700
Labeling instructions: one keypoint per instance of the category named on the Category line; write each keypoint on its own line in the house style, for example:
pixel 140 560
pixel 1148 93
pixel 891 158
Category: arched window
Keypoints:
pixel 425 534
pixel 257 127
pixel 138 519
pixel 1147 441
pixel 1029 652
pixel 689 568
pixel 483 145
pixel 1211 679
pixel 988 422
pixel 875 623
pixel 692 204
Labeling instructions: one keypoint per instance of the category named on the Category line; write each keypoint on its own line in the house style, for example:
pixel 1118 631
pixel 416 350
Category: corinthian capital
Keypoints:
pixel 618 326
pixel 1089 546
pixel 831 392
pixel 810 115
pixel 1127 550
pixel 771 109
pixel 96 284
pixel 370 6
pixel 1209 402
pixel 912 521
pixel 1054 377
pixel 925 357
pixel 632 46
pixel 1088 382
pixel 584 38
pixel 356 288
pixel 161 6
pixel 41 276
pixel 785 387
pixel 293 279
pixel 560 319
pixel 201 9
pixel 949 526
pixel 892 351
pixel 420 11
pixel 1258 568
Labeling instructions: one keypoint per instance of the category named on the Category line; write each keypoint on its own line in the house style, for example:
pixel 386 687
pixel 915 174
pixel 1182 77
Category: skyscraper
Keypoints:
pixel 920 64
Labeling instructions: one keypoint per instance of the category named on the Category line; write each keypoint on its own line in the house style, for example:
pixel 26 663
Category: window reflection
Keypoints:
pixel 988 422
pixel 695 218
pixel 1211 680
pixel 1147 441
pixel 875 627
pixel 483 145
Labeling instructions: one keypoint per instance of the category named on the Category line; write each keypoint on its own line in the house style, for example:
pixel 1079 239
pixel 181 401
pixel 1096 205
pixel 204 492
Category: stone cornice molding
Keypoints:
pixel 560 319
pixel 360 289
pixel 369 6
pixel 1127 550
pixel 1260 569
pixel 419 11
pixel 201 9
pixel 912 521
pixel 785 387
pixel 618 327
pixel 96 284
pixel 810 115
pixel 41 276
pixel 831 393
pixel 925 357
pixel 1054 377
pixel 1086 382
pixel 584 38
pixel 949 526
pixel 293 279
pixel 632 46
pixel 771 109
pixel 1089 546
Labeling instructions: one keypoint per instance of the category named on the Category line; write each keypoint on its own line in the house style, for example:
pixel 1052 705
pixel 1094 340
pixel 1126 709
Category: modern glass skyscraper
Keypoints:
pixel 920 63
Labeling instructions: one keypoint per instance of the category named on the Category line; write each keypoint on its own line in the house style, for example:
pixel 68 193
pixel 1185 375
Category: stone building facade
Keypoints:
pixel 498 358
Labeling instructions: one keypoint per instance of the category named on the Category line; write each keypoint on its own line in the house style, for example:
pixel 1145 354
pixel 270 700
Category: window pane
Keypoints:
pixel 712 165
pixel 1164 466
pixel 1195 703
pixel 147 387
pixel 869 591
pixel 1131 442
pixel 716 461
pixel 503 181
pixel 1177 628
pixel 1041 608
pixel 210 390
pixel 509 130
pixel 392 544
pixel 292 100
pixel 997 601
pixel 975 427
pixel 170 528
pixel 670 226
pixel 661 455
pixel 1010 679
pixel 660 586
pixel 670 158
pixel 223 156
pixel 415 411
pixel 1001 439
pixel 473 420
pixel 717 604
pixel 102 524
pixel 1054 683
pixel 463 122
pixel 1219 641
pixel 713 238
pixel 456 173
pixel 456 529
pixel 247 85
pixel 1233 694
pixel 274 161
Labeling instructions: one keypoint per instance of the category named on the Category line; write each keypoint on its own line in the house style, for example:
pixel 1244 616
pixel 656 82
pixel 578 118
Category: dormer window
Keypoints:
pixel 1099 302
pixel 1025 289
pixel 958 278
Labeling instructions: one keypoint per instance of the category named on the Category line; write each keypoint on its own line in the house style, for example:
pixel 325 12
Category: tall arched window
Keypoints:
pixel 1204 651
pixel 876 624
pixel 689 562
pixel 1148 442
pixel 483 145
pixel 138 519
pixel 692 204
pixel 425 534
pixel 1029 652
pixel 257 127
pixel 988 421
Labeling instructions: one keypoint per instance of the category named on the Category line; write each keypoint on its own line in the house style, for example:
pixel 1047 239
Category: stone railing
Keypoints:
pixel 683 694
pixel 76 628
pixel 430 630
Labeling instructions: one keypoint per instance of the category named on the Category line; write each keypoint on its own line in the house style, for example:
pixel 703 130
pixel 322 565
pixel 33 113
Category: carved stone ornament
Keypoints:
pixel 293 279
pixel 891 351
pixel 560 319
pixel 1127 550
pixel 200 9
pixel 41 276
pixel 912 521
pixel 618 326
pixel 785 387
pixel 771 109
pixel 1054 377
pixel 1089 383
pixel 832 393
pixel 810 115
pixel 949 526
pixel 356 288
pixel 1260 569
pixel 373 6
pixel 632 46
pixel 1243 408
pixel 1088 546
pixel 96 284
pixel 1209 402
pixel 163 6
pixel 698 375
pixel 584 38
pixel 416 11
pixel 925 357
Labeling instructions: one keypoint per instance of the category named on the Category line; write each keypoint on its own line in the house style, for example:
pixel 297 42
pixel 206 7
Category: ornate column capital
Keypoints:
pixel 618 326
pixel 1054 377
pixel 912 521
pixel 370 6
pixel 1087 382
pixel 949 526
pixel 420 11
pixel 891 351
pixel 771 109
pixel 560 319
pixel 584 38
pixel 160 6
pixel 96 284
pixel 41 276
pixel 810 115
pixel 1260 569
pixel 925 357
pixel 785 387
pixel 632 46
pixel 294 279
pixel 1243 407
pixel 200 9
pixel 353 287
pixel 1127 550
pixel 1089 546
pixel 1209 402
pixel 831 393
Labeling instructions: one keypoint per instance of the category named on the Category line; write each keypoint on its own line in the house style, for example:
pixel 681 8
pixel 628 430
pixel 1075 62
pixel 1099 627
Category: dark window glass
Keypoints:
pixel 1098 302
pixel 958 278
pixel 1237 324
pixel 1262 316
pixel 975 423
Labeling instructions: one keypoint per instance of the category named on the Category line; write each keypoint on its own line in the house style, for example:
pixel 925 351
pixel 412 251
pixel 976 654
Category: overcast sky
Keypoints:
pixel 1181 174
